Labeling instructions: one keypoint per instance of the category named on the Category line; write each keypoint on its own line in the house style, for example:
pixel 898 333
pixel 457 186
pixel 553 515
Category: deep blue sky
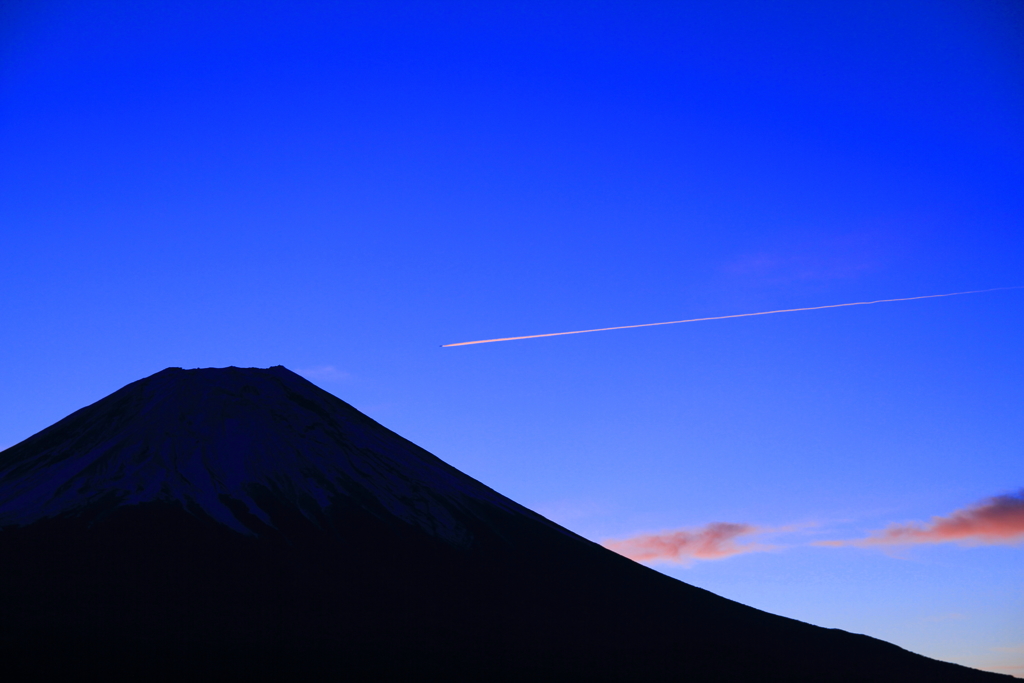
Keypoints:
pixel 343 187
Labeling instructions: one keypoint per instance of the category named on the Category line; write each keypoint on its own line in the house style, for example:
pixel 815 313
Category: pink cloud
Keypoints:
pixel 995 521
pixel 711 542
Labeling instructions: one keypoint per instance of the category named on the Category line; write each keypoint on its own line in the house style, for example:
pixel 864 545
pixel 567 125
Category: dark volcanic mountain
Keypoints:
pixel 244 523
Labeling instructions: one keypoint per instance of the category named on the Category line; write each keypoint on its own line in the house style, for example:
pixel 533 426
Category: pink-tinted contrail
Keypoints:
pixel 723 317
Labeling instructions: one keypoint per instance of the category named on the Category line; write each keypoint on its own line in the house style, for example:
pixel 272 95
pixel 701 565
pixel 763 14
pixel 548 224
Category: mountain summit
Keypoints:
pixel 220 442
pixel 243 522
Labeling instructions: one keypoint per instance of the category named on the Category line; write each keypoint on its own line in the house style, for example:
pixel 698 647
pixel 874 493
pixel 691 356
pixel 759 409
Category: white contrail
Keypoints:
pixel 723 317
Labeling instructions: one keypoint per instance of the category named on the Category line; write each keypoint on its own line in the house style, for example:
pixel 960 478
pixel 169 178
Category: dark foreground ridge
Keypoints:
pixel 230 523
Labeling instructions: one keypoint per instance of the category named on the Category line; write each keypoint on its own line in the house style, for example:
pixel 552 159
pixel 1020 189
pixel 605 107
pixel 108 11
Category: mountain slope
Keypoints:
pixel 211 440
pixel 206 523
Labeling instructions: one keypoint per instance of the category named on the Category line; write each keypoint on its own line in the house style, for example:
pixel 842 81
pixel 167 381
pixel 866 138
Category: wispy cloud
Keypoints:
pixel 782 268
pixel 841 256
pixel 995 521
pixel 938 618
pixel 1015 649
pixel 323 373
pixel 711 542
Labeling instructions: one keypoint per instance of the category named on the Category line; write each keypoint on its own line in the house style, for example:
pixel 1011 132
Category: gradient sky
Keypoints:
pixel 343 187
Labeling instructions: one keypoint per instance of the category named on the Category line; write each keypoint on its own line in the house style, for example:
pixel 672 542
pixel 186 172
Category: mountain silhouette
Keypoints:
pixel 217 523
